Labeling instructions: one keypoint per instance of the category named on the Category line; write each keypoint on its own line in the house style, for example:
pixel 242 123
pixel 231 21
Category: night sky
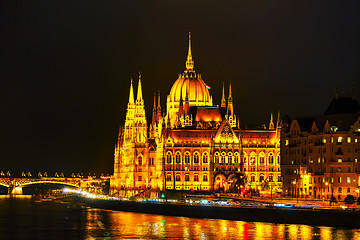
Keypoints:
pixel 66 67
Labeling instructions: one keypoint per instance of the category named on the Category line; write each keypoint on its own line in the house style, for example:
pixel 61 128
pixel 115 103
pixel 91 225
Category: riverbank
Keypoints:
pixel 284 214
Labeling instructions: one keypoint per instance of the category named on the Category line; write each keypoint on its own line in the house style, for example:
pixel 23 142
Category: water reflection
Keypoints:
pixel 103 224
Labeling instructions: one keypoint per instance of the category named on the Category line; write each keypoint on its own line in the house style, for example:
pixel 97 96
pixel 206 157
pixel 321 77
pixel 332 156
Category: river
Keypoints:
pixel 20 218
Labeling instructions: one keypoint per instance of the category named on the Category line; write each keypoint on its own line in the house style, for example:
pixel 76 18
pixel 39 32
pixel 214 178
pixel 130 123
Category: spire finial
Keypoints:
pixel 271 125
pixel 139 97
pixel 189 60
pixel 131 95
pixel 223 101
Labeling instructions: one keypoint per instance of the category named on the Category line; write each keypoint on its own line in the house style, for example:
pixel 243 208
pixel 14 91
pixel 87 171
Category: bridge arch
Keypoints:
pixel 49 181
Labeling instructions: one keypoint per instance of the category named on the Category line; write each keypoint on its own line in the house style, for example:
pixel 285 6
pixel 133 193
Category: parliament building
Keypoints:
pixel 195 146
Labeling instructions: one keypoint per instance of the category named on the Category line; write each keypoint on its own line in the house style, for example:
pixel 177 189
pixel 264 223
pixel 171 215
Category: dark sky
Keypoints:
pixel 66 67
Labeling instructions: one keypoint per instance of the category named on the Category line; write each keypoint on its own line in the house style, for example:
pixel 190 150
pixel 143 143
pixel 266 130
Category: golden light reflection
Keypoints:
pixel 120 225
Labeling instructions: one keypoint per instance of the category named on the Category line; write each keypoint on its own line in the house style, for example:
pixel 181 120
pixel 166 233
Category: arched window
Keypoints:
pixel 187 177
pixel 261 179
pixel 271 158
pixel 140 160
pixel 205 178
pixel 230 157
pixel 252 178
pixel 252 160
pixel 205 157
pixel 168 157
pixel 278 159
pixel 196 177
pixel 168 177
pixel 178 157
pixel 339 190
pixel 237 157
pixel 196 157
pixel 348 190
pixel 271 178
pixel 216 159
pixel 177 177
pixel 187 157
pixel 262 160
pixel 222 157
pixel 279 179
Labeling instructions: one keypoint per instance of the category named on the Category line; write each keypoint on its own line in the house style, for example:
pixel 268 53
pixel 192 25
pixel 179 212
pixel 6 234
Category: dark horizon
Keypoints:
pixel 67 67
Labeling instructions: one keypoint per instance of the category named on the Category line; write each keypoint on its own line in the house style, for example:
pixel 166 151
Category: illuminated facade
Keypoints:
pixel 195 146
pixel 320 156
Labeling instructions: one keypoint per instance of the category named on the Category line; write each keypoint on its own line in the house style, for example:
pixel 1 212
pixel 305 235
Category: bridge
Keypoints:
pixel 15 185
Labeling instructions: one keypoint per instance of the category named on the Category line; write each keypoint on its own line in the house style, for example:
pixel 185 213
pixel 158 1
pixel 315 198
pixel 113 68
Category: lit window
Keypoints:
pixel 178 157
pixel 168 157
pixel 339 160
pixel 339 139
pixel 349 139
pixel 187 157
pixel 168 178
pixel 348 180
pixel 252 178
pixel 271 159
pixel 177 177
pixel 196 157
pixel 205 178
pixel 324 140
pixel 339 179
pixel 196 178
pixel 187 177
pixel 205 157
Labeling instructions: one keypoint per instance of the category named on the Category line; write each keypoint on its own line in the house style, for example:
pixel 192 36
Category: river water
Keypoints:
pixel 20 218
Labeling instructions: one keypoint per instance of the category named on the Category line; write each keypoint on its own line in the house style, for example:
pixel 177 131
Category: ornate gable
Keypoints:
pixel 226 134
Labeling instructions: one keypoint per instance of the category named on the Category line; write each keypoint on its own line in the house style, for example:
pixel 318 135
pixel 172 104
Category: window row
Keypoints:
pixel 186 158
pixel 178 178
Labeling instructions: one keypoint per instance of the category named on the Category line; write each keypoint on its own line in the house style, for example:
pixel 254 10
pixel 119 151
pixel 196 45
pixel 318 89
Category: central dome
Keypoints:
pixel 190 84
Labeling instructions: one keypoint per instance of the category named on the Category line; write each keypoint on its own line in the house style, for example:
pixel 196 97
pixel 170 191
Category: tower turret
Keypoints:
pixel 223 101
pixel 230 109
pixel 271 124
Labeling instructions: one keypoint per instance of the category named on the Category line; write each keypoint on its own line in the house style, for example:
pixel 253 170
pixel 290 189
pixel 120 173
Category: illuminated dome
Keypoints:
pixel 191 84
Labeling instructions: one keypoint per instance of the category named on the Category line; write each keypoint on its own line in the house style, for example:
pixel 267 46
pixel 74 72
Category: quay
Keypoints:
pixel 273 213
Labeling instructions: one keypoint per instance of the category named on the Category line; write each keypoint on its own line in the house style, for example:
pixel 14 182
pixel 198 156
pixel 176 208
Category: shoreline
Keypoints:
pixel 308 216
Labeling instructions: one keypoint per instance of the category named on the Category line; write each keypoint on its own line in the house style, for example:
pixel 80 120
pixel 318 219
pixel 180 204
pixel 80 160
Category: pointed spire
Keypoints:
pixel 189 60
pixel 278 120
pixel 158 107
pixel 139 97
pixel 271 125
pixel 131 95
pixel 154 110
pixel 223 101
pixel 230 110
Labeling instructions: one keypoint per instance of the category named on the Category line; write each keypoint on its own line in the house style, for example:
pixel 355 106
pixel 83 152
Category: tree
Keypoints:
pixel 236 181
pixel 333 200
pixel 350 199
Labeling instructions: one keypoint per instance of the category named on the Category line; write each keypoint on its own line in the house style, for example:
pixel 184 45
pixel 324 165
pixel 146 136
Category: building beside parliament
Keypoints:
pixel 196 145
pixel 321 155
